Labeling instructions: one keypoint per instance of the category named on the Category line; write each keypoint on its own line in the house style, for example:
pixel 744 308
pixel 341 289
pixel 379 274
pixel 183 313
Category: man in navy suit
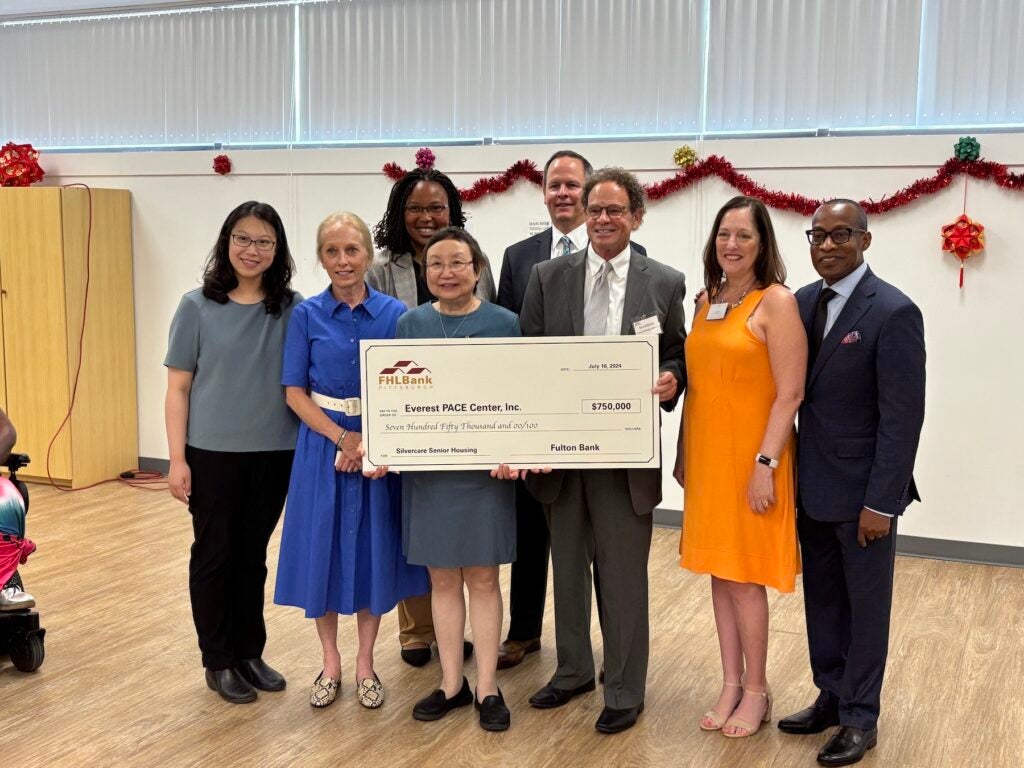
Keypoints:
pixel 565 173
pixel 858 434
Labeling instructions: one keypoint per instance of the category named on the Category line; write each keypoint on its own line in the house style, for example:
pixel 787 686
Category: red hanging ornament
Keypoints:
pixel 963 238
pixel 222 164
pixel 19 165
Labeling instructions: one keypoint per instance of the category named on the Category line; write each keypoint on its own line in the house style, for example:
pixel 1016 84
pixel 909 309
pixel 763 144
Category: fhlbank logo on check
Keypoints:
pixel 405 373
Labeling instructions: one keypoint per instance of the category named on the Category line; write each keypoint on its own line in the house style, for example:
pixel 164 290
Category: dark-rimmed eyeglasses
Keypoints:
pixel 434 209
pixel 613 211
pixel 262 244
pixel 839 235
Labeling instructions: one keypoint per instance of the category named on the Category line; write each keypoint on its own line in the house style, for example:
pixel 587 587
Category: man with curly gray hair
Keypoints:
pixel 604 515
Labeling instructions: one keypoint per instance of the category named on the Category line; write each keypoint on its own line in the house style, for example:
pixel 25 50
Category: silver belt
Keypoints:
pixel 350 406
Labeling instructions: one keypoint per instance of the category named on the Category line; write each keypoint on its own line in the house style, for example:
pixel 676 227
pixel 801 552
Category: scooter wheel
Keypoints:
pixel 27 656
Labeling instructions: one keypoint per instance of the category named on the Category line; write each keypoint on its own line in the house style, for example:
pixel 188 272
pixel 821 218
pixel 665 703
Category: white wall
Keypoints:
pixel 970 463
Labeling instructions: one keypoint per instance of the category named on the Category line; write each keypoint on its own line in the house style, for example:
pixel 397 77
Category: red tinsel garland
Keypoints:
pixel 488 185
pixel 785 201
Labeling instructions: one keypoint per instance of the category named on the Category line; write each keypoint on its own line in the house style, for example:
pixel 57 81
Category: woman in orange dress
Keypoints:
pixel 746 361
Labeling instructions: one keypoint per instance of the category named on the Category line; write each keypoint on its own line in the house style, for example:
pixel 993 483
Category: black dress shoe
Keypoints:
pixel 416 657
pixel 260 675
pixel 230 686
pixel 550 697
pixel 847 746
pixel 811 720
pixel 618 720
pixel 494 715
pixel 437 705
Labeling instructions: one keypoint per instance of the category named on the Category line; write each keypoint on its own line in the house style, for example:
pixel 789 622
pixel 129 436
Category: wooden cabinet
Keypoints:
pixel 44 277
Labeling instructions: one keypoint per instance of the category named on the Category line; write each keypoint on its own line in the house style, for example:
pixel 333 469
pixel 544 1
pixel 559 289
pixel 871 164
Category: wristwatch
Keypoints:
pixel 767 461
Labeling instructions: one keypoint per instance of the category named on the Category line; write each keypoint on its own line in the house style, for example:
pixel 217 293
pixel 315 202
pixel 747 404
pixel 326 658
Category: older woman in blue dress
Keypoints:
pixel 341 545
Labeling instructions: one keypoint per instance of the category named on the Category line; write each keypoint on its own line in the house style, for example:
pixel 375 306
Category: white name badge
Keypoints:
pixel 717 311
pixel 647 325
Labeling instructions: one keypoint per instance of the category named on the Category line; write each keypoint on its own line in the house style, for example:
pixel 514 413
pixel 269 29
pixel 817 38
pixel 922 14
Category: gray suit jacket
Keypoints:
pixel 393 274
pixel 553 306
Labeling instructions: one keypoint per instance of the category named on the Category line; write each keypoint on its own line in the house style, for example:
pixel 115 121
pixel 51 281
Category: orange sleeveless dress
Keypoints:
pixel 729 394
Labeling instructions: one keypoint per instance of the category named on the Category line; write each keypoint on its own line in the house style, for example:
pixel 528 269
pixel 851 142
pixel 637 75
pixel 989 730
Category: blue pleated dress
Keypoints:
pixel 341 547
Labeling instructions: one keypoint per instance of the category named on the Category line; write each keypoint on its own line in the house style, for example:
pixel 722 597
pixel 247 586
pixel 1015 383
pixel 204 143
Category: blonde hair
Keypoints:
pixel 344 217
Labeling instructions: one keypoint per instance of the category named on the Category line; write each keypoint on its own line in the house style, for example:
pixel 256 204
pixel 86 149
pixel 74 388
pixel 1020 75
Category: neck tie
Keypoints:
pixel 566 245
pixel 820 320
pixel 595 314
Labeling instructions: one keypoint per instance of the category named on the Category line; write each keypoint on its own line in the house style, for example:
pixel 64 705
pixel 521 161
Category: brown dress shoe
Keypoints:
pixel 512 652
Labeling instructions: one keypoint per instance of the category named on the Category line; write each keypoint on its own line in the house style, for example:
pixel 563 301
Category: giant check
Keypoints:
pixel 560 402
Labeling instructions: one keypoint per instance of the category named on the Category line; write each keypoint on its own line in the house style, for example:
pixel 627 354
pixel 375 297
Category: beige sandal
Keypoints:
pixel 324 691
pixel 749 729
pixel 371 692
pixel 715 717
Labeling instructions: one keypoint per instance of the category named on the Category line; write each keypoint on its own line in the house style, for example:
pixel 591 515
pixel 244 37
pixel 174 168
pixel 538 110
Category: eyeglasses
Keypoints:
pixel 613 211
pixel 262 244
pixel 454 266
pixel 839 235
pixel 434 209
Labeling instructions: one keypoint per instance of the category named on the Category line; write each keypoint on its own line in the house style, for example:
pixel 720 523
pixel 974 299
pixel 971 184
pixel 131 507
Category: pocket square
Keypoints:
pixel 853 337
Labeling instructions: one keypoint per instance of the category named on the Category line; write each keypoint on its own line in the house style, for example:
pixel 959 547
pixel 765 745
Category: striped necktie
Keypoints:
pixel 566 245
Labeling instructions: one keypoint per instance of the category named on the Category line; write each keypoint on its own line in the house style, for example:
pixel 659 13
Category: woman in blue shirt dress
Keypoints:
pixel 341 546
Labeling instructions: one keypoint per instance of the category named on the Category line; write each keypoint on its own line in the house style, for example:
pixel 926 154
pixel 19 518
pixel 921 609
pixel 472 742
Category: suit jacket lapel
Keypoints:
pixel 574 279
pixel 807 303
pixel 405 280
pixel 636 288
pixel 544 241
pixel 859 302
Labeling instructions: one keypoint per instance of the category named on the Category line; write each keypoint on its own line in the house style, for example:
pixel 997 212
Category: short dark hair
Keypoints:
pixel 457 233
pixel 624 179
pixel 768 267
pixel 390 231
pixel 587 167
pixel 219 277
pixel 862 216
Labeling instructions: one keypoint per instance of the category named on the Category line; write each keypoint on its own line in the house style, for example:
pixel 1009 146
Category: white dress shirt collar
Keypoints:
pixel 620 264
pixel 578 239
pixel 846 286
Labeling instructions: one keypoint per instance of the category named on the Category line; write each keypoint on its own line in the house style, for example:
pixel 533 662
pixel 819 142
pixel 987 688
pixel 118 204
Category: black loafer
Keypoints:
pixel 437 705
pixel 847 746
pixel 260 675
pixel 416 657
pixel 811 720
pixel 230 686
pixel 618 720
pixel 494 715
pixel 550 697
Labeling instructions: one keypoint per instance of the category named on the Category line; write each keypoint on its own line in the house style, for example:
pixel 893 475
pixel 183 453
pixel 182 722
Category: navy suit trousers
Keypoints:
pixel 847 598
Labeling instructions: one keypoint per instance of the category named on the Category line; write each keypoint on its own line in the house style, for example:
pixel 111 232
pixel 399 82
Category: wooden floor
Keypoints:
pixel 122 683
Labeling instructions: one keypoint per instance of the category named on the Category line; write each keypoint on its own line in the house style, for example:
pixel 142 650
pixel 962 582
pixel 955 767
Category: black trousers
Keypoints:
pixel 847 599
pixel 529 584
pixel 235 504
